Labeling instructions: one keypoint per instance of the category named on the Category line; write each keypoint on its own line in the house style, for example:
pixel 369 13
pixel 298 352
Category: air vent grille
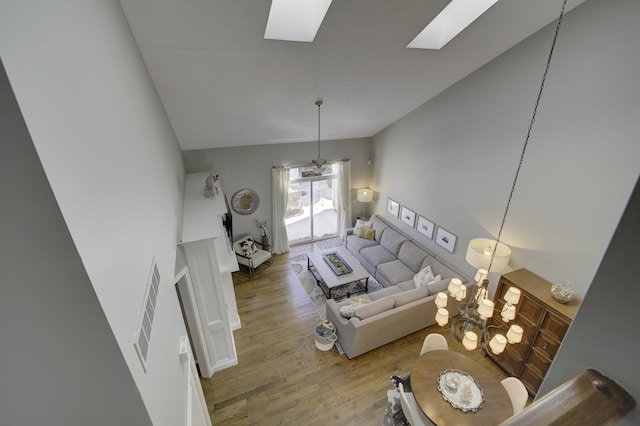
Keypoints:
pixel 145 325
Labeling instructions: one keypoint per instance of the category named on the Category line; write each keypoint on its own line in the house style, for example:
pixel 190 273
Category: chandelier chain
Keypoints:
pixel 318 103
pixel 526 141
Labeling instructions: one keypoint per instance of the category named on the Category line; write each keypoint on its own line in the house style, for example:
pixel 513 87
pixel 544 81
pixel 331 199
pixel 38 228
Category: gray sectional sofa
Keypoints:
pixel 400 308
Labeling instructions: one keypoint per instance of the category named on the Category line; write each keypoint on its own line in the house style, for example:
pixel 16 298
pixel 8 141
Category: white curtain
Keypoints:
pixel 344 216
pixel 280 191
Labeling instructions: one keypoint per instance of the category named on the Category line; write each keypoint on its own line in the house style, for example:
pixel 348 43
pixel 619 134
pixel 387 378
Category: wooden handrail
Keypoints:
pixel 589 399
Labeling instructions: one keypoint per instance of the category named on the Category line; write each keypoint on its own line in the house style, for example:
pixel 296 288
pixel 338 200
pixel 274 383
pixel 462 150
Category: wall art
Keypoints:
pixel 393 208
pixel 408 216
pixel 446 239
pixel 425 227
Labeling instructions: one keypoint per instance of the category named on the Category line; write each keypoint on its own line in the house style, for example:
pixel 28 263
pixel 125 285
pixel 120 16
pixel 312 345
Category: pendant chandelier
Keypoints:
pixel 319 162
pixel 471 327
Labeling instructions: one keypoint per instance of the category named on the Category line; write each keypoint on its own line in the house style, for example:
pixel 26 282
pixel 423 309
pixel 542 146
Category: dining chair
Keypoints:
pixel 411 410
pixel 434 341
pixel 517 393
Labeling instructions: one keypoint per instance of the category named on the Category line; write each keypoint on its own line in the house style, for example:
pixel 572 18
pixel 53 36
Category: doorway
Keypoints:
pixel 312 204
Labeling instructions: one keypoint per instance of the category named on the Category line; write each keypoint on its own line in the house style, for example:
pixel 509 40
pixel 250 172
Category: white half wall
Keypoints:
pixel 453 159
pixel 115 168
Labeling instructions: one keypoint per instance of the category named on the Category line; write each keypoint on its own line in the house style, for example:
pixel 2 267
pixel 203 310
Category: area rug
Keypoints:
pixel 329 243
pixel 299 265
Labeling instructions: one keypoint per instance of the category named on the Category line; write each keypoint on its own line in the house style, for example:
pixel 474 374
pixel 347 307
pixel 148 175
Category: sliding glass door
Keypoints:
pixel 312 204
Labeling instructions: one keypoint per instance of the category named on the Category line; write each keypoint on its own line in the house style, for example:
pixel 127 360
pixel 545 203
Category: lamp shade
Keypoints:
pixel 481 275
pixel 454 286
pixel 485 309
pixel 442 317
pixel 479 254
pixel 513 295
pixel 498 343
pixel 462 294
pixel 514 334
pixel 441 300
pixel 364 195
pixel 508 312
pixel 470 340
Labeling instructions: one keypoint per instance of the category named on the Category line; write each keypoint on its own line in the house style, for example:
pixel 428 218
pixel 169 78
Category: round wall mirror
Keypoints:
pixel 245 201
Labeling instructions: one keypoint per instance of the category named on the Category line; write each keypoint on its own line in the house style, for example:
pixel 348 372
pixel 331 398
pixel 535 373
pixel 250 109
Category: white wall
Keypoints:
pixel 454 158
pixel 250 167
pixel 113 164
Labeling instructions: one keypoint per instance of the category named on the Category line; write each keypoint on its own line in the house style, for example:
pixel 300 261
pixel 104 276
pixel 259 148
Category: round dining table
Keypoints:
pixel 425 375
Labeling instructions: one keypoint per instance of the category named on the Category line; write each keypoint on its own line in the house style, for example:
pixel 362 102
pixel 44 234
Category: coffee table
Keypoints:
pixel 328 280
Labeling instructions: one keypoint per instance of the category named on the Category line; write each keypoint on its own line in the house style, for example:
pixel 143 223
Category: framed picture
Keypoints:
pixel 425 227
pixel 393 208
pixel 446 239
pixel 408 216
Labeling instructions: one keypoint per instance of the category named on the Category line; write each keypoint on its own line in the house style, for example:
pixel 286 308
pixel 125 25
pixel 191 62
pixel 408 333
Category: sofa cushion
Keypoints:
pixel 376 254
pixel 375 308
pixel 411 255
pixel 394 272
pixel 379 226
pixel 387 291
pixel 406 285
pixel 438 285
pixel 409 296
pixel 355 244
pixel 392 240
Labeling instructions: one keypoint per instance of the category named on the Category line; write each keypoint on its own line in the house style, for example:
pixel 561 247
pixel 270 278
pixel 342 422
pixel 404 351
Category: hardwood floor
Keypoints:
pixel 281 378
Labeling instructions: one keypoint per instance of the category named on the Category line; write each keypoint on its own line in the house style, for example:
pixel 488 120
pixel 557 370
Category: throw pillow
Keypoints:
pixel 424 277
pixel 361 224
pixel 366 233
pixel 359 300
pixel 349 309
pixel 248 247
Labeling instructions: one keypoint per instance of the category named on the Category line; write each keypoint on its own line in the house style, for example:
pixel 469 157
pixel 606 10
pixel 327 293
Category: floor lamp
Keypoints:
pixel 364 195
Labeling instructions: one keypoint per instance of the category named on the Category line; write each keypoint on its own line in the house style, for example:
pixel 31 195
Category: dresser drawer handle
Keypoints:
pixel 545 346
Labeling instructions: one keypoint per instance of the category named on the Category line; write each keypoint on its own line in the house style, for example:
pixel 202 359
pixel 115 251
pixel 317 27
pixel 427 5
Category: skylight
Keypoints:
pixel 295 20
pixel 450 22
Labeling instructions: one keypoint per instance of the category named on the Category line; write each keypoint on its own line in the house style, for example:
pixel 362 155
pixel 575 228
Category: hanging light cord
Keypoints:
pixel 318 103
pixel 526 141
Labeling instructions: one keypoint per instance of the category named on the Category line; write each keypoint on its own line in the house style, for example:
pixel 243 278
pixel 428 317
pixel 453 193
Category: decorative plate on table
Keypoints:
pixel 460 390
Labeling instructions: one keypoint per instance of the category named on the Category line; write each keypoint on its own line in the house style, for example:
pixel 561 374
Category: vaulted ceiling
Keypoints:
pixel 222 84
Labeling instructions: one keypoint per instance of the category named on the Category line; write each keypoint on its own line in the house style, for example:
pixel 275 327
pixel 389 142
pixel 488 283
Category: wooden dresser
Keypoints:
pixel 544 321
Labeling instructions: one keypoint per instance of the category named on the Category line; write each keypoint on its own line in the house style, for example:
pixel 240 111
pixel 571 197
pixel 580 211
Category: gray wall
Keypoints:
pixel 250 167
pixel 116 170
pixel 453 159
pixel 603 336
pixel 61 364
